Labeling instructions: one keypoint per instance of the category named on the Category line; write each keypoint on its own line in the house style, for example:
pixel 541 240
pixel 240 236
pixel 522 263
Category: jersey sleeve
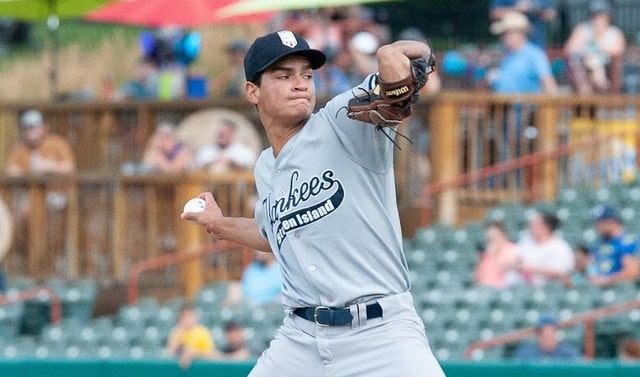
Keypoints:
pixel 361 141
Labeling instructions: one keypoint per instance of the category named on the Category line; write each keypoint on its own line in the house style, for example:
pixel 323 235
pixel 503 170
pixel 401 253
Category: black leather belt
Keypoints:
pixel 326 316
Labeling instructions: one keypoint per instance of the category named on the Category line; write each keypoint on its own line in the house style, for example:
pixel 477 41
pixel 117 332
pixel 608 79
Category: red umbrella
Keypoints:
pixel 158 13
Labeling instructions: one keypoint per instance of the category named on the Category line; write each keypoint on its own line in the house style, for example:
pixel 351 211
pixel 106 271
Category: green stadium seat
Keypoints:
pixel 488 354
pixel 54 336
pixel 36 314
pixel 10 320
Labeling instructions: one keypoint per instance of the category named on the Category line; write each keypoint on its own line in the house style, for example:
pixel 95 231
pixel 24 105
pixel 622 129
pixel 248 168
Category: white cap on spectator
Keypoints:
pixel 31 118
pixel 365 42
pixel 510 21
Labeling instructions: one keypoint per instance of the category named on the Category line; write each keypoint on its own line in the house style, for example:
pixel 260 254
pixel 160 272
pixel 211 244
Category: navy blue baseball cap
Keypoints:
pixel 546 320
pixel 272 47
pixel 605 212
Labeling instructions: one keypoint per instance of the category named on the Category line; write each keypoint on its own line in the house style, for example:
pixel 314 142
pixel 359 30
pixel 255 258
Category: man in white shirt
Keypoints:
pixel 226 154
pixel 542 254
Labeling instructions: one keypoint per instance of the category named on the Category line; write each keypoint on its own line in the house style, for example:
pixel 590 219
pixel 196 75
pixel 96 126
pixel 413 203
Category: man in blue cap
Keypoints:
pixel 547 345
pixel 616 255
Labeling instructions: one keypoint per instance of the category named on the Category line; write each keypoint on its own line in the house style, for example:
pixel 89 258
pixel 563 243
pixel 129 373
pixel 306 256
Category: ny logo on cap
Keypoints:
pixel 287 38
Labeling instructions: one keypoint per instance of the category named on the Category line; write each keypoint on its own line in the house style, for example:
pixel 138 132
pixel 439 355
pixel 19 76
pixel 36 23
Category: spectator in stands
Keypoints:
pixel 542 255
pixel 230 82
pixel 593 51
pixel 525 67
pixel 547 346
pixel 235 346
pixel 260 283
pixel 616 254
pixel 40 152
pixel 190 340
pixel 538 12
pixel 362 47
pixel 226 153
pixel 629 350
pixel 144 85
pixel 334 77
pixel 498 260
pixel 584 266
pixel 165 153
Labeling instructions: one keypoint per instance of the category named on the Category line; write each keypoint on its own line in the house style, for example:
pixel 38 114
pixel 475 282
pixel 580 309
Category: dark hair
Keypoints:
pixel 231 325
pixel 550 220
pixel 582 248
pixel 186 306
pixel 498 225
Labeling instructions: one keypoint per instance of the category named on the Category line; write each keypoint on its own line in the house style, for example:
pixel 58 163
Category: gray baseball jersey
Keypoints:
pixel 328 207
pixel 327 204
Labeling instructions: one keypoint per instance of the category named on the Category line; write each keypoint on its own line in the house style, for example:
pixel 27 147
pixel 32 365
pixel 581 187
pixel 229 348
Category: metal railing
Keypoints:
pixel 37 293
pixel 181 257
pixel 586 319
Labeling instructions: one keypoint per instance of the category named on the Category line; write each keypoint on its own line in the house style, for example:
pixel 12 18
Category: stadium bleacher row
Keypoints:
pixel 441 259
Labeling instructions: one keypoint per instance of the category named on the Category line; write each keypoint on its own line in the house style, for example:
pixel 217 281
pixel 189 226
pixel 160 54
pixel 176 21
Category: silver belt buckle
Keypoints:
pixel 315 314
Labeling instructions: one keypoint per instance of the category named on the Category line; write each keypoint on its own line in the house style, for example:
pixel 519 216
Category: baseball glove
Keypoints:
pixel 388 103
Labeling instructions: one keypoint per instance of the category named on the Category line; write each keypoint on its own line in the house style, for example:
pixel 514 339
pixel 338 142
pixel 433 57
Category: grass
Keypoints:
pixel 88 53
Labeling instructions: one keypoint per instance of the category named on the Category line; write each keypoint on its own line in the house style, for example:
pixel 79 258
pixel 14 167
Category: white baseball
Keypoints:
pixel 194 205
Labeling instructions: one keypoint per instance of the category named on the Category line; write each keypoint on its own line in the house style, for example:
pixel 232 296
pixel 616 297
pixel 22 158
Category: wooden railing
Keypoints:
pixel 471 132
pixel 113 220
pixel 109 223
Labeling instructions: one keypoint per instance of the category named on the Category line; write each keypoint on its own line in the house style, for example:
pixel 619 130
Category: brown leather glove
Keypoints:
pixel 389 103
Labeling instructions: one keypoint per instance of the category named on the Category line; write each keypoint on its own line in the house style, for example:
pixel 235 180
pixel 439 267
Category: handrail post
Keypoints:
pixel 445 153
pixel 589 339
pixel 548 118
pixel 189 236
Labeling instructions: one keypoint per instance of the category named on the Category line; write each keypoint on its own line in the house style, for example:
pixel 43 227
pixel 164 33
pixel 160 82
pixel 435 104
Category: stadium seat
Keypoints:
pixel 79 299
pixel 36 314
pixel 54 336
pixel 10 320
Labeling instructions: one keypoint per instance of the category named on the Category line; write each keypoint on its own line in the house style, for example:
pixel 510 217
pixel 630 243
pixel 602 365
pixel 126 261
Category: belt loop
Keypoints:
pixel 359 313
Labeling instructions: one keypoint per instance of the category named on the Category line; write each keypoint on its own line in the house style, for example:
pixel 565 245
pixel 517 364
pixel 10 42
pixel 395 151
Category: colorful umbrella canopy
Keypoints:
pixel 158 13
pixel 35 10
pixel 249 7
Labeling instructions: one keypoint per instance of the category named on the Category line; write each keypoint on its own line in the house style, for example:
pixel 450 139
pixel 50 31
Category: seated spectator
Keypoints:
pixel 616 254
pixel 525 67
pixel 542 255
pixel 629 350
pixel 144 85
pixel 40 152
pixel 362 48
pixel 261 282
pixel 226 153
pixel 497 264
pixel 230 82
pixel 190 340
pixel 334 77
pixel 592 50
pixel 235 347
pixel 547 345
pixel 165 153
pixel 584 266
